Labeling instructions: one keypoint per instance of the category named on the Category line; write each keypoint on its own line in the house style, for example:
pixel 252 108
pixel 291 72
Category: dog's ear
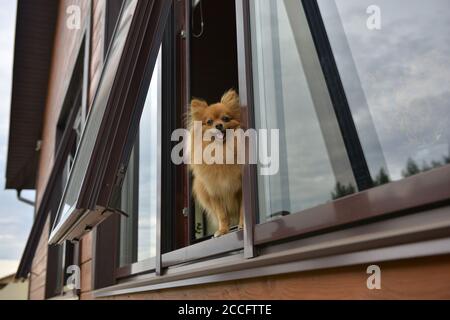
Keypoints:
pixel 197 109
pixel 231 99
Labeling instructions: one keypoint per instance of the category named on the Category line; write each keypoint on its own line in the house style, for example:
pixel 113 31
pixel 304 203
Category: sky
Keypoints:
pixel 15 217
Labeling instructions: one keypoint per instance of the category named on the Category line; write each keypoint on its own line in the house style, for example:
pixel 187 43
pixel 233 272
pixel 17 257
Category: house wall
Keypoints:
pixel 410 279
pixel 14 290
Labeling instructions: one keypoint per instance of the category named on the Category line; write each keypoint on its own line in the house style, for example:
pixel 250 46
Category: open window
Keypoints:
pixel 213 71
pixel 165 227
pixel 299 71
pixel 210 69
pixel 100 164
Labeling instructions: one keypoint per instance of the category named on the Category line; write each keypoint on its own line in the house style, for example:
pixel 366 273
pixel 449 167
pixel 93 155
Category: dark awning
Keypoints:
pixel 35 29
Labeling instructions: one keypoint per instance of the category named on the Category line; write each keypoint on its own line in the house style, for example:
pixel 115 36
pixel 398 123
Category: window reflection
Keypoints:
pixel 139 192
pixel 396 80
pixel 291 95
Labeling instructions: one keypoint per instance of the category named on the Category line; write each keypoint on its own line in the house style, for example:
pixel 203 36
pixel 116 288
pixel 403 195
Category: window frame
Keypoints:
pixel 111 15
pixel 175 88
pixel 411 215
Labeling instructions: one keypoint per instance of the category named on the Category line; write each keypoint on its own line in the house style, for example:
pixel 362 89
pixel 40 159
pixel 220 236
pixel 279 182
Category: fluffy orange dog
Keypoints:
pixel 218 187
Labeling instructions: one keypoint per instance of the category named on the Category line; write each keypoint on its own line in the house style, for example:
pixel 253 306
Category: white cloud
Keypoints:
pixel 7 237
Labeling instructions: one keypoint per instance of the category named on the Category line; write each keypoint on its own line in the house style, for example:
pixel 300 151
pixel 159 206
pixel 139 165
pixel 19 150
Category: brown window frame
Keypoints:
pixel 177 82
pixel 411 214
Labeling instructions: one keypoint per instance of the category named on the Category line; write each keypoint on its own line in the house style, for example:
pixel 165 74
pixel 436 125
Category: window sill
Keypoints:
pixel 420 235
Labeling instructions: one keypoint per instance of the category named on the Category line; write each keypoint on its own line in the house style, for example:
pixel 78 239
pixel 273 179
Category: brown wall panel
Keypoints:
pixel 86 248
pixel 412 279
pixel 97 44
pixel 86 277
pixel 65 52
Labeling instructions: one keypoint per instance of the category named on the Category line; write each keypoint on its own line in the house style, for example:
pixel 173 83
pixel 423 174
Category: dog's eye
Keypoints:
pixel 209 122
pixel 226 119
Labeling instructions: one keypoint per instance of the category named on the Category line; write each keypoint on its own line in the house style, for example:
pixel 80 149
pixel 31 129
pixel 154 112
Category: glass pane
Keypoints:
pixel 394 62
pixel 291 96
pixel 139 193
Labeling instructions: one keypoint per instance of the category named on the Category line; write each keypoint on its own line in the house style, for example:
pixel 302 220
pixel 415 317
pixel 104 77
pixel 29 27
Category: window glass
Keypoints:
pixel 291 96
pixel 394 62
pixel 139 192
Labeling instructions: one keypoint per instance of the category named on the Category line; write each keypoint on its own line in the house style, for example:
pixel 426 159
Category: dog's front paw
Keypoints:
pixel 220 233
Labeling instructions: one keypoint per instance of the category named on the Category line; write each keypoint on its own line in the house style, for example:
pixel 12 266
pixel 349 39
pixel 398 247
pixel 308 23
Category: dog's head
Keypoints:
pixel 219 117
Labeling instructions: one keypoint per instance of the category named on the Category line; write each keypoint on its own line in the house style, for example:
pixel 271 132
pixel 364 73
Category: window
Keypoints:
pixel 341 131
pixel 72 192
pixel 112 14
pixel 291 96
pixel 332 194
pixel 90 193
pixel 218 36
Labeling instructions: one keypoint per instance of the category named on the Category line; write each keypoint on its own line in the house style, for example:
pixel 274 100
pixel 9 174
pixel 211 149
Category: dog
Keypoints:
pixel 218 187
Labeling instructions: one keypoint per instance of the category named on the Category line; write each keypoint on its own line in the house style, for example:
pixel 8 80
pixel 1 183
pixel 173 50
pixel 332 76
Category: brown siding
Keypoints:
pixel 413 279
pixel 97 44
pixel 86 263
pixel 65 51
pixel 39 268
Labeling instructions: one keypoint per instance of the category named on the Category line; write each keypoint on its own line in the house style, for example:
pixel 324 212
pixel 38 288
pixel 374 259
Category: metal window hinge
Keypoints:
pixel 186 212
pixel 122 213
pixel 183 34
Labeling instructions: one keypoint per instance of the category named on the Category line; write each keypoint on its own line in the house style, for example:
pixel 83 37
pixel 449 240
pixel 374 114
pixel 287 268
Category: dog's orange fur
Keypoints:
pixel 218 187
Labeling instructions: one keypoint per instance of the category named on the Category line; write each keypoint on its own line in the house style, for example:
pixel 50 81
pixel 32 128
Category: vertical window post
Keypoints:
pixel 247 121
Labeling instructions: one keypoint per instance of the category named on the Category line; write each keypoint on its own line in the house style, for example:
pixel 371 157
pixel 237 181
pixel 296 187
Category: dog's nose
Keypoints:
pixel 219 127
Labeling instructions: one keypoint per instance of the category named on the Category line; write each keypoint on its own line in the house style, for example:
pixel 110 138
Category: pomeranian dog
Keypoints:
pixel 217 187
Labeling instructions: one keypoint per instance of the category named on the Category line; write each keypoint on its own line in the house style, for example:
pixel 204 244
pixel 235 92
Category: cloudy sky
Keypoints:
pixel 15 217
